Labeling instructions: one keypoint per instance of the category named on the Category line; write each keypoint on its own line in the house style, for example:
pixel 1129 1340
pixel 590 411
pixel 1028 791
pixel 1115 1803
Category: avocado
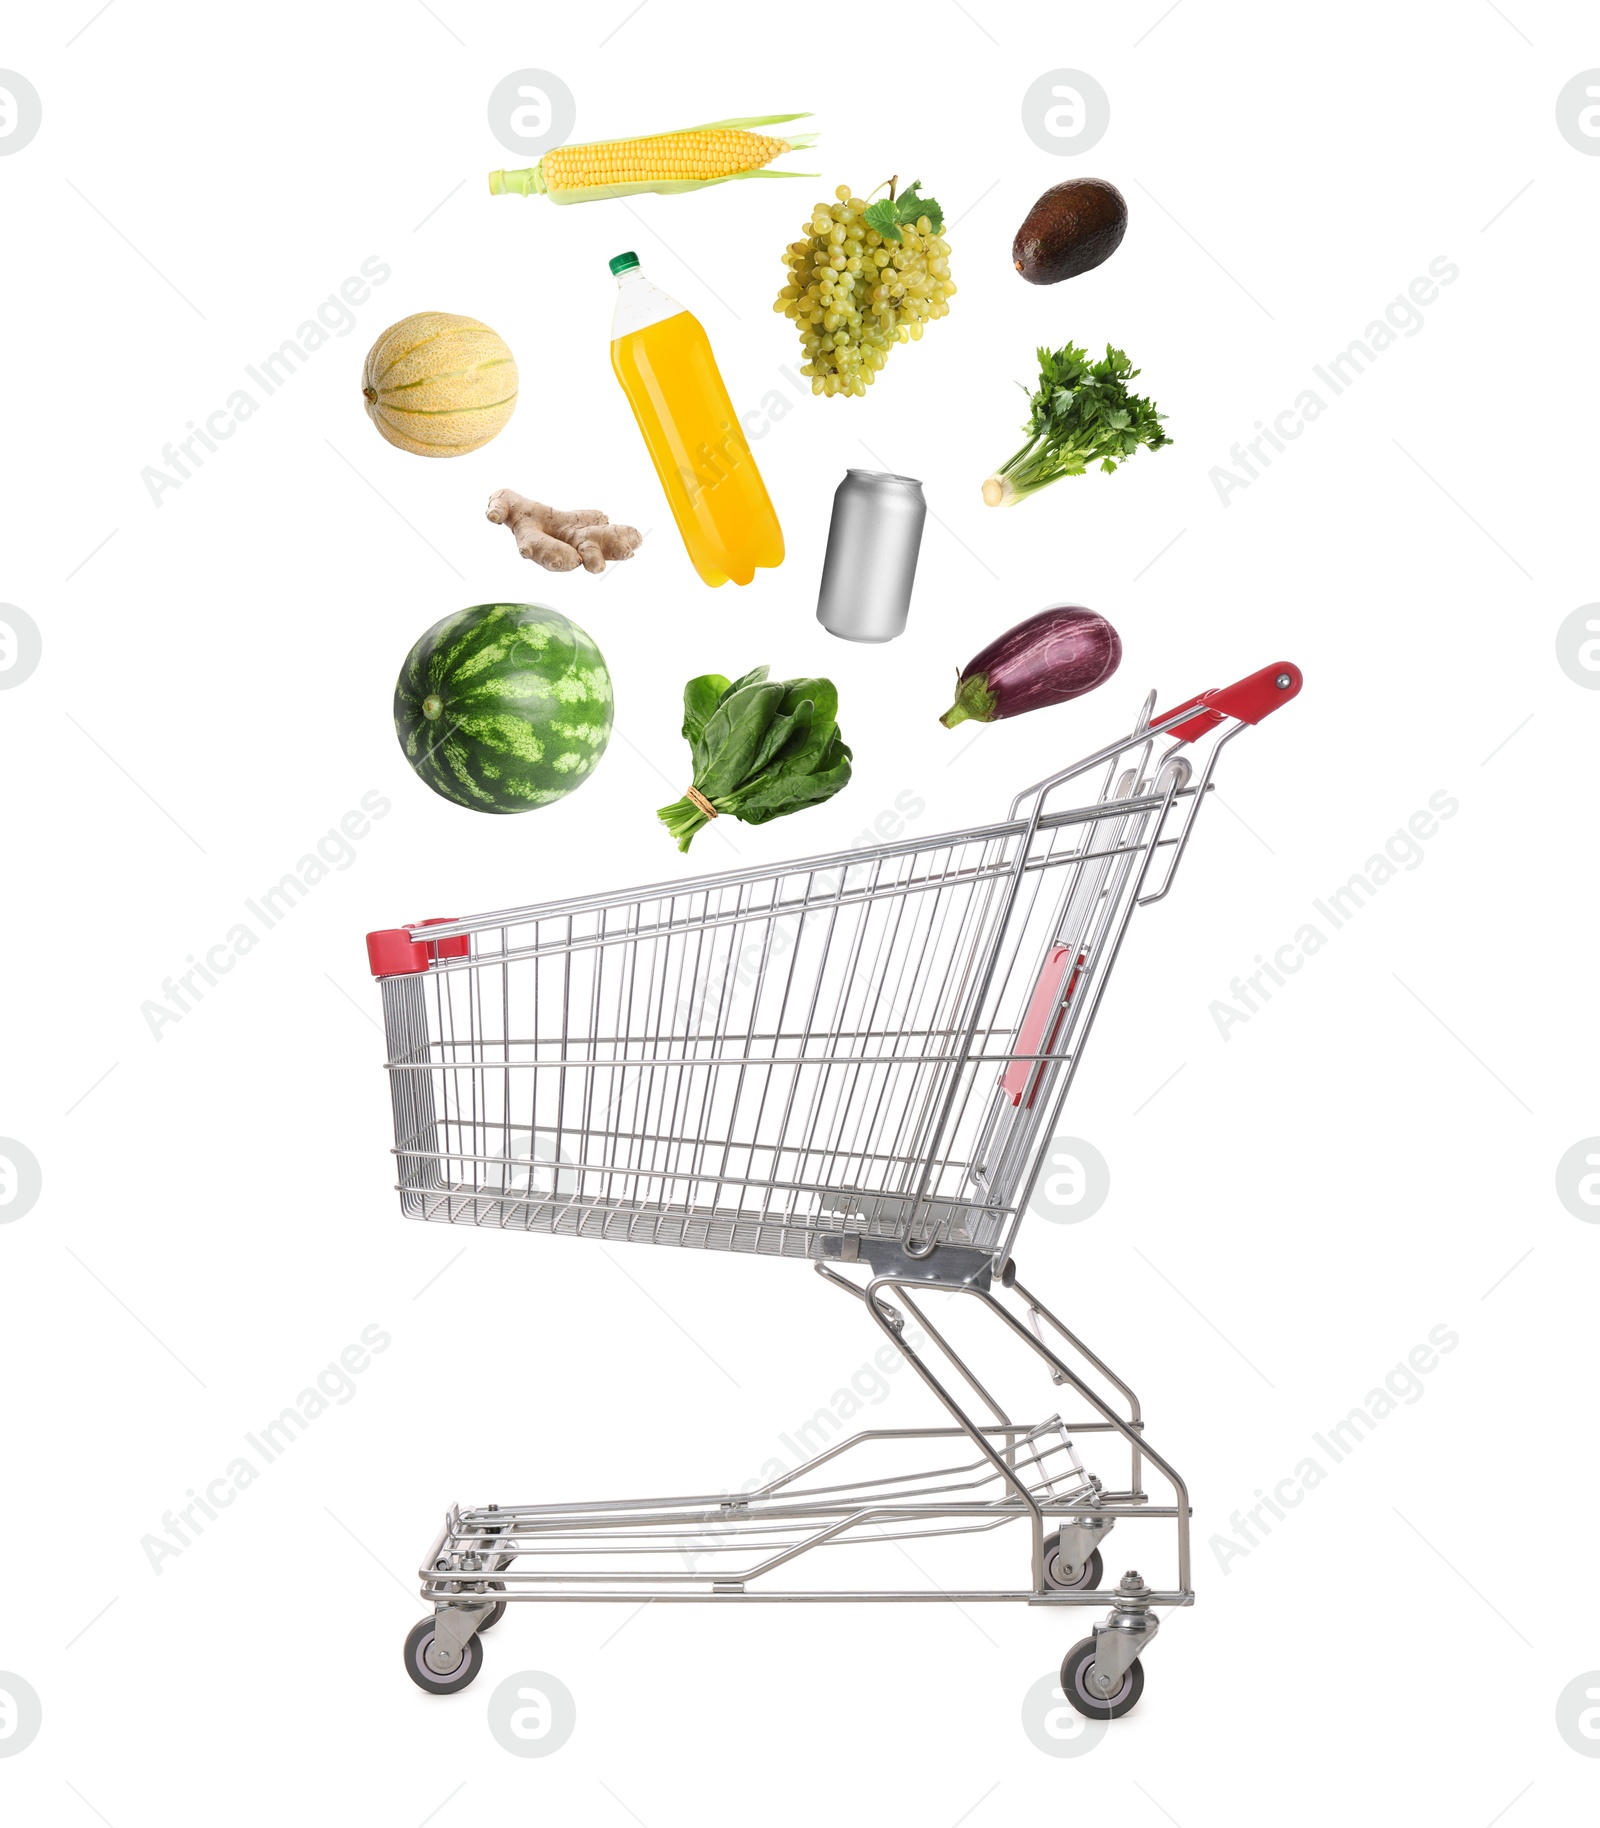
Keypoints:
pixel 1074 226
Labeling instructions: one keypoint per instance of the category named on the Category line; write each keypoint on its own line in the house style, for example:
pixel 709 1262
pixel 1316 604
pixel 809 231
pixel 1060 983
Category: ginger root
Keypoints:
pixel 562 539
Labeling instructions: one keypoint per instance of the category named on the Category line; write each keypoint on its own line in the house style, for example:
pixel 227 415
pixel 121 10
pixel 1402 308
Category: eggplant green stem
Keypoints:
pixel 974 700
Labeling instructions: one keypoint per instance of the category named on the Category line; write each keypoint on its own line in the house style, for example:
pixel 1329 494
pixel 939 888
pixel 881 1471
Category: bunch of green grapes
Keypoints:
pixel 864 278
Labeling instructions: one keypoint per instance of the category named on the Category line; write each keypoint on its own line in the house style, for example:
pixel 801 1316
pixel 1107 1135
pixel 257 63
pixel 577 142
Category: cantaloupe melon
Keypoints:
pixel 439 385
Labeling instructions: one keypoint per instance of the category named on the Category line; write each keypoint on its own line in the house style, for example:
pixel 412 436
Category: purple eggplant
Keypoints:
pixel 1060 653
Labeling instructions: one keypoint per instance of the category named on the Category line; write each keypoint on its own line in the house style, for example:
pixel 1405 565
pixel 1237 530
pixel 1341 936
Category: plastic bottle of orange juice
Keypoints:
pixel 663 359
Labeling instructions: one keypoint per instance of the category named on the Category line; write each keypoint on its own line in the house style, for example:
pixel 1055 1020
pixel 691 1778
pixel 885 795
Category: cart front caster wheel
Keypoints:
pixel 419 1642
pixel 1076 1669
pixel 1061 1577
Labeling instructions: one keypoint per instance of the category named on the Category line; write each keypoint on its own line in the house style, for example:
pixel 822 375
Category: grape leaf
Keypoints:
pixel 889 216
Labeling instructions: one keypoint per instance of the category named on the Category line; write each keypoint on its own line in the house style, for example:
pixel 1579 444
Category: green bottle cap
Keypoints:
pixel 624 263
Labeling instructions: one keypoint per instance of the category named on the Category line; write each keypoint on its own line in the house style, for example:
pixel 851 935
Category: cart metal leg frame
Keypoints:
pixel 857 1060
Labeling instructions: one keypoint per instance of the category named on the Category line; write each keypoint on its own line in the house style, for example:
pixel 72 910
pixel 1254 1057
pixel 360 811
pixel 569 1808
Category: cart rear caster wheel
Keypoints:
pixel 1075 1671
pixel 1062 1577
pixel 419 1642
pixel 498 1610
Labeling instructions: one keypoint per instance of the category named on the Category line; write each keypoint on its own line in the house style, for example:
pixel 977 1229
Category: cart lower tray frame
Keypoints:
pixel 650 1549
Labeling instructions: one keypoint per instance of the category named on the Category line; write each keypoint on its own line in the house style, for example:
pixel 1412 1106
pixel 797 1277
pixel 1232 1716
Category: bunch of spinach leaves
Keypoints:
pixel 761 748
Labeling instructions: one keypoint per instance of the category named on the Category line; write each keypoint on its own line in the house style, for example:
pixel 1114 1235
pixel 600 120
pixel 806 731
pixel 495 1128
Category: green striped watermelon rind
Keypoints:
pixel 522 707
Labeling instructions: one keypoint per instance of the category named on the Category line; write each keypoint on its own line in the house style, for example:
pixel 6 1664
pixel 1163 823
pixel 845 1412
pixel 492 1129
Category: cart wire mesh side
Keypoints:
pixel 864 1043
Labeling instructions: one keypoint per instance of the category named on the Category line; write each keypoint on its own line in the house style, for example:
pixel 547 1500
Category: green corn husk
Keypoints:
pixel 530 181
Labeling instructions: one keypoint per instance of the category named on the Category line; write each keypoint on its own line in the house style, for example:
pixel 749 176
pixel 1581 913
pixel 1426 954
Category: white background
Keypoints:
pixel 1364 1159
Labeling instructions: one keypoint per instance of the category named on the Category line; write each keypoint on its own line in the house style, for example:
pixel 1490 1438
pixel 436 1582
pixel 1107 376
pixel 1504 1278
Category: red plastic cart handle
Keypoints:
pixel 1250 700
pixel 396 950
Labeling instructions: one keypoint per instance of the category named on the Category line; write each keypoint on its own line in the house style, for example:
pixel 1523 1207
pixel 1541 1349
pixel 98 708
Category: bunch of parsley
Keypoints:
pixel 1081 414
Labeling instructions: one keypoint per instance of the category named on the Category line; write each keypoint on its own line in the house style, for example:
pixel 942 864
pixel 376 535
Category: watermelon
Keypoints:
pixel 504 707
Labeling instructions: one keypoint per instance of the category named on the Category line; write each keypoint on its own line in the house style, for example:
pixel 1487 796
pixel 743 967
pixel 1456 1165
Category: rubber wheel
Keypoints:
pixel 418 1640
pixel 497 1611
pixel 1084 1580
pixel 1075 1670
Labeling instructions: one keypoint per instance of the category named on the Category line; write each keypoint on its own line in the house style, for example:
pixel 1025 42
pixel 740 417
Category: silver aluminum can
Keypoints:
pixel 872 555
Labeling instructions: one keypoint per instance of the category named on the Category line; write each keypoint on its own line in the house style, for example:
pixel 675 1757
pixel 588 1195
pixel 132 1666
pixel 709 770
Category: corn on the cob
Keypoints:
pixel 709 153
pixel 684 160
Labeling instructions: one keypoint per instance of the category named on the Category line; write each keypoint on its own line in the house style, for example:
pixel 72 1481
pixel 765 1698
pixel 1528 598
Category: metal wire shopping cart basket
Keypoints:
pixel 858 1060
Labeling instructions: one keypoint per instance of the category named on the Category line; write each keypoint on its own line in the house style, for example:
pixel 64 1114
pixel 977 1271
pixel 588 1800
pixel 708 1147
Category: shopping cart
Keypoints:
pixel 857 1060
